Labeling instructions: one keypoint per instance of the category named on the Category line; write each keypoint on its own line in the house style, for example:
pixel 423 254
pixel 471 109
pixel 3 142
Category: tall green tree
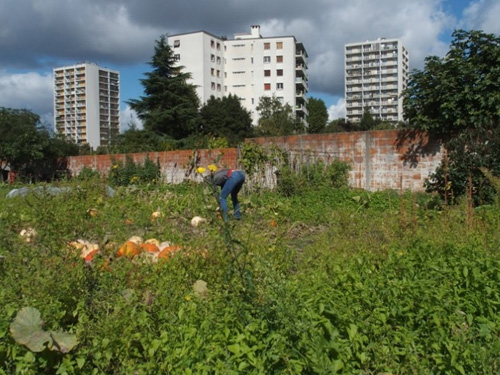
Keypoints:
pixel 22 140
pixel 27 147
pixel 276 118
pixel 170 104
pixel 226 118
pixel 318 116
pixel 457 100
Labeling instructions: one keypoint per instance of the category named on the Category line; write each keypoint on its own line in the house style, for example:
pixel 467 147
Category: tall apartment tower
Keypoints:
pixel 376 73
pixel 248 66
pixel 87 104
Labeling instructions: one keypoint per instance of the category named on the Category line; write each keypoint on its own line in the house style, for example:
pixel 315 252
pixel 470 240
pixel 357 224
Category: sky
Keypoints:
pixel 39 35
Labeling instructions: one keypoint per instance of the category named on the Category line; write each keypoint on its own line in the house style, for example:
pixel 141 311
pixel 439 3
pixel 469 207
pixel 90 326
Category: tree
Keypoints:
pixel 226 118
pixel 27 147
pixel 276 118
pixel 136 140
pixel 21 141
pixel 339 125
pixel 367 121
pixel 318 116
pixel 457 100
pixel 170 106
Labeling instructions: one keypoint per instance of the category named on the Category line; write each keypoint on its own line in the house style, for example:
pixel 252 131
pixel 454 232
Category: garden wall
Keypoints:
pixel 387 159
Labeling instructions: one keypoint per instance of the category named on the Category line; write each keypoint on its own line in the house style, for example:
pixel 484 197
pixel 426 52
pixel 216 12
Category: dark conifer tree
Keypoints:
pixel 170 104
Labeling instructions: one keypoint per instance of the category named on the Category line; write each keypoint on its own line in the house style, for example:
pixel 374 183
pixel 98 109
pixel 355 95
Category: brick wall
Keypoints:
pixel 379 160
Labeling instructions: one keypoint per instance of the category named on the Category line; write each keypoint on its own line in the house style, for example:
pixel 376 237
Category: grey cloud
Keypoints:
pixel 482 15
pixel 36 35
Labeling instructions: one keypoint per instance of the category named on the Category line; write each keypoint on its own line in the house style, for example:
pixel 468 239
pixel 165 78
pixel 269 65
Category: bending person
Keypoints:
pixel 230 182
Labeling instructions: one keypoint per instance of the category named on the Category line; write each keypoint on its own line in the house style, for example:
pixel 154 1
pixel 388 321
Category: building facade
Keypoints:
pixel 376 73
pixel 87 104
pixel 248 66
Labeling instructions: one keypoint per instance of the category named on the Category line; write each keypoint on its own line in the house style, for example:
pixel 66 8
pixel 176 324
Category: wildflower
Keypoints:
pixel 115 166
pixel 187 298
pixel 212 168
pixel 200 170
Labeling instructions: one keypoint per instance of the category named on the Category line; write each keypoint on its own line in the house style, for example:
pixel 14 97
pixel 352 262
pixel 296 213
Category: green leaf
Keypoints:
pixel 27 330
pixel 80 362
pixel 62 341
pixel 235 348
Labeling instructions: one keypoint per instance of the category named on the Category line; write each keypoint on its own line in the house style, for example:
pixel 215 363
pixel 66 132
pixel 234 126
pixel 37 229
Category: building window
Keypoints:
pixel 281 99
pixel 279 45
pixel 218 46
pixel 212 71
pixel 267 86
pixel 218 73
pixel 177 43
pixel 218 87
pixel 213 86
pixel 279 72
pixel 212 58
pixel 212 44
pixel 267 45
pixel 267 59
pixel 177 57
pixel 279 59
pixel 279 86
pixel 267 73
pixel 218 60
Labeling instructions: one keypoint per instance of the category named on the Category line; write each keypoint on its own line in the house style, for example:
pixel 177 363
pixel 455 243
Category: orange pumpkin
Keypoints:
pixel 168 251
pixel 149 247
pixel 129 249
pixel 90 255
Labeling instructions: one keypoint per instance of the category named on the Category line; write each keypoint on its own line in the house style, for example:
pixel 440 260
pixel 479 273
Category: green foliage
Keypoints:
pixel 132 173
pixel 217 142
pixel 253 157
pixel 136 140
pixel 27 330
pixel 335 281
pixel 170 105
pixel 225 117
pixel 87 174
pixel 28 149
pixel 456 100
pixel 318 116
pixel 367 121
pixel 313 175
pixel 339 126
pixel 276 118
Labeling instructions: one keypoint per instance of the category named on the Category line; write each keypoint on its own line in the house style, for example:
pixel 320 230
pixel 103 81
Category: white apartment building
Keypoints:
pixel 376 73
pixel 87 103
pixel 248 66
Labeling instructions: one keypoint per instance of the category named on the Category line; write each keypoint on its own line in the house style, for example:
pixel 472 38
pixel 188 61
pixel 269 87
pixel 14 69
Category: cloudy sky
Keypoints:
pixel 38 35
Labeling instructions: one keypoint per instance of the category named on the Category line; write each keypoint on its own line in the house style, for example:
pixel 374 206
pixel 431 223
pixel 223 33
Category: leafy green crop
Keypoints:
pixel 326 281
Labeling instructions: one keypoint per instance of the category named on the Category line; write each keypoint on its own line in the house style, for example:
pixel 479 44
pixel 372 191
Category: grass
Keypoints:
pixel 324 282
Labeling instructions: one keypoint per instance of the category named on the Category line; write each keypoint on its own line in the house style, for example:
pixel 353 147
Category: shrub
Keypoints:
pixel 131 173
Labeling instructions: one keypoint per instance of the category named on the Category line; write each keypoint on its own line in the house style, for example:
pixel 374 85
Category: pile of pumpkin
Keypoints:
pixel 150 250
